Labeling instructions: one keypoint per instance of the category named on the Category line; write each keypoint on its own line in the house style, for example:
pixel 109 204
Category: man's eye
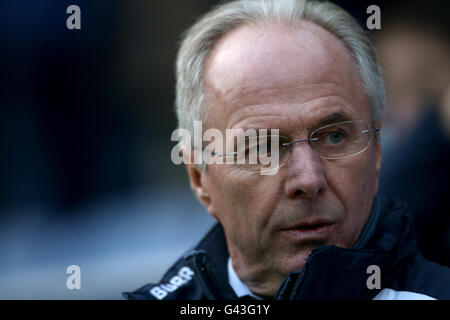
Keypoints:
pixel 265 146
pixel 253 149
pixel 334 137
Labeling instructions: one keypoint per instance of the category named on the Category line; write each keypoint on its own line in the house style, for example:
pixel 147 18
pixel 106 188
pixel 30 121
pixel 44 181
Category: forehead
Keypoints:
pixel 262 67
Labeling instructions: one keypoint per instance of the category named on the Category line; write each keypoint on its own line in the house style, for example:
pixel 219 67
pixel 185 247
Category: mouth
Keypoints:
pixel 311 230
pixel 314 226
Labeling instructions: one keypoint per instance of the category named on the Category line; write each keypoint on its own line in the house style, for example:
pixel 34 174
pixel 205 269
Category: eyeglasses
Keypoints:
pixel 332 142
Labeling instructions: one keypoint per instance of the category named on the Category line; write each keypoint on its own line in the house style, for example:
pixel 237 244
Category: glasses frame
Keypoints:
pixel 310 141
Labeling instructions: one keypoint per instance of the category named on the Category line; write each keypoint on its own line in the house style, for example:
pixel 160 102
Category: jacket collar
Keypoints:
pixel 332 272
pixel 209 263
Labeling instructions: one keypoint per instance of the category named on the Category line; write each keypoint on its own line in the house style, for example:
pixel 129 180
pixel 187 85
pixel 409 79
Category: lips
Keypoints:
pixel 312 226
pixel 314 230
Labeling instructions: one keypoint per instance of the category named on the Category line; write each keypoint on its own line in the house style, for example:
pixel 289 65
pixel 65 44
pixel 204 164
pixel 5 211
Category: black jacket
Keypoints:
pixel 330 272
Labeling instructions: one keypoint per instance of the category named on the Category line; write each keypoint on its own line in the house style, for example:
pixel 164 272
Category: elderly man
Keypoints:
pixel 315 229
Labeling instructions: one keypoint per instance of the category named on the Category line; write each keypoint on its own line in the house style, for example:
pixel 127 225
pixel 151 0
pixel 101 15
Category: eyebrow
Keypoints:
pixel 335 117
pixel 332 118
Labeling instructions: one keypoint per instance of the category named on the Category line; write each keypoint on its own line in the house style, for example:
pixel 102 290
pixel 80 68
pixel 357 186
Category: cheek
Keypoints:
pixel 243 202
pixel 353 183
pixel 354 179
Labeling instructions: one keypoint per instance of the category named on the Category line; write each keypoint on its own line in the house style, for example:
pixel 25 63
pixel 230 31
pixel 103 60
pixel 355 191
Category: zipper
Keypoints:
pixel 285 293
pixel 298 282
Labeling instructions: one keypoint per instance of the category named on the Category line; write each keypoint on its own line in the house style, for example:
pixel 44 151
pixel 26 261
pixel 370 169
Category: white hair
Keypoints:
pixel 204 34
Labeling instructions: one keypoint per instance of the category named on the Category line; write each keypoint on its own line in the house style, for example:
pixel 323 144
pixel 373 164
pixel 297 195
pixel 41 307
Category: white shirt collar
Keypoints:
pixel 238 286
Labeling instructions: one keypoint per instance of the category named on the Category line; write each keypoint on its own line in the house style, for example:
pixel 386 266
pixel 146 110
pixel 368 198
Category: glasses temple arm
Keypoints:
pixel 371 131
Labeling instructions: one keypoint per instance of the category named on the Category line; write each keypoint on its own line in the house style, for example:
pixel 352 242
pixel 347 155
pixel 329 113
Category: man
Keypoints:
pixel 315 229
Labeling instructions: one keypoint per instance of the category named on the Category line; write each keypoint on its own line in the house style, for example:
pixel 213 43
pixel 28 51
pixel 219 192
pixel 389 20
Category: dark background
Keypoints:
pixel 85 123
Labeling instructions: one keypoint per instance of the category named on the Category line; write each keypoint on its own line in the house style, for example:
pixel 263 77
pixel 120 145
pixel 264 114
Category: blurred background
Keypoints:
pixel 85 123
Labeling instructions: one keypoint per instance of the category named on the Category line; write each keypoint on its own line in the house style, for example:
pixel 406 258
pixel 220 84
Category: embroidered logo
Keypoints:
pixel 184 275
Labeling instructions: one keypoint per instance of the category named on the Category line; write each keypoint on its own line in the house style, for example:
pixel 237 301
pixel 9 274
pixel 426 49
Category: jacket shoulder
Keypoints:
pixel 180 282
pixel 424 277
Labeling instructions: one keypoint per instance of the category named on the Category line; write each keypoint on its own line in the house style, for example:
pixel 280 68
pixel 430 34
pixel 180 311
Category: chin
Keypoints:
pixel 295 263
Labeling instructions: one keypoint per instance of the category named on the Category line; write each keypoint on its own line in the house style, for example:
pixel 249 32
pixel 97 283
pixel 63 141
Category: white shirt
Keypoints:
pixel 238 286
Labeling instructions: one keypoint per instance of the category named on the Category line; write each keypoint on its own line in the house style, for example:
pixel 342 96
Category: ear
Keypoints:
pixel 198 180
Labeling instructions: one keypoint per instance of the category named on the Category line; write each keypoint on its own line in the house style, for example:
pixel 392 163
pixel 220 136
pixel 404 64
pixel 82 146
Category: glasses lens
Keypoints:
pixel 341 140
pixel 263 152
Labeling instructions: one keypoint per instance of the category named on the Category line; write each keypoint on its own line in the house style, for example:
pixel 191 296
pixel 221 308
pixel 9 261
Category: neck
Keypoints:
pixel 259 281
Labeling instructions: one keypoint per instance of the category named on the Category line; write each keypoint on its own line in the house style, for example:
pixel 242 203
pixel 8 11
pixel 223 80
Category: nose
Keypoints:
pixel 305 175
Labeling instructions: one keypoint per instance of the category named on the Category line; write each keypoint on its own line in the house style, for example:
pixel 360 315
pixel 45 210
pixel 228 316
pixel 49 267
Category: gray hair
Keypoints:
pixel 202 36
